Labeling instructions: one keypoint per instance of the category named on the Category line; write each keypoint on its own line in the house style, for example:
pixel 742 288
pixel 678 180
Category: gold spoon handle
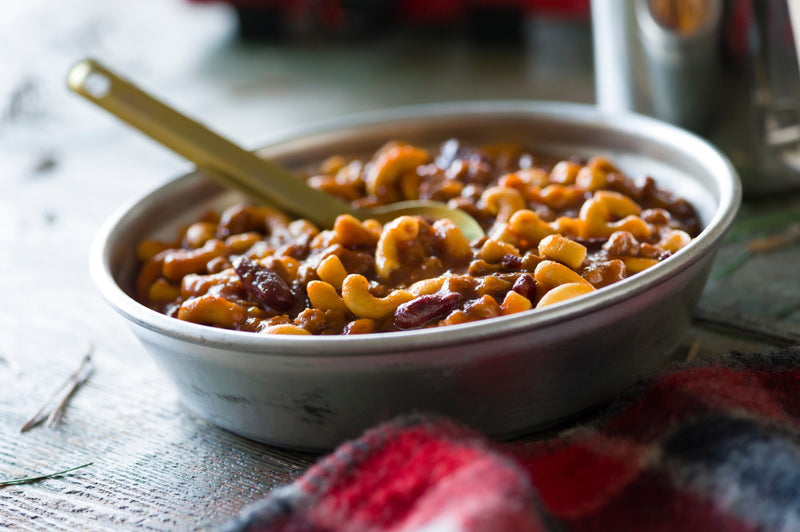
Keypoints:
pixel 223 160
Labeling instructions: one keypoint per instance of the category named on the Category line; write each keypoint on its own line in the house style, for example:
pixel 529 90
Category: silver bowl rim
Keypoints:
pixel 405 341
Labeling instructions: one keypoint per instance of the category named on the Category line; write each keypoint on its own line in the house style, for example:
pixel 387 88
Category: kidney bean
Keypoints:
pixel 264 284
pixel 511 261
pixel 525 286
pixel 423 309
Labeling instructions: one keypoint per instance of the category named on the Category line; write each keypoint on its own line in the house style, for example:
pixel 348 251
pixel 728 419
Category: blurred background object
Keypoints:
pixel 726 69
pixel 486 20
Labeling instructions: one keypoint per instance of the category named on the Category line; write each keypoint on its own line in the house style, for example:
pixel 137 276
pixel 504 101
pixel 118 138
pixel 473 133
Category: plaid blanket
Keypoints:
pixel 703 447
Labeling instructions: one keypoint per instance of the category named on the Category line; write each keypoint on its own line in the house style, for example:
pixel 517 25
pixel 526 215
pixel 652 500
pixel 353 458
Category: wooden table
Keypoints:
pixel 65 166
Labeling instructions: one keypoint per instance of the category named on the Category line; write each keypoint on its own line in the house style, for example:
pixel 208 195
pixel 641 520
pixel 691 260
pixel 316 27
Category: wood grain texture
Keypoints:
pixel 758 291
pixel 64 167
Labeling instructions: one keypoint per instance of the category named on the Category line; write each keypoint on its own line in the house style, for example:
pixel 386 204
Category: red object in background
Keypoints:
pixel 484 18
pixel 425 10
pixel 439 11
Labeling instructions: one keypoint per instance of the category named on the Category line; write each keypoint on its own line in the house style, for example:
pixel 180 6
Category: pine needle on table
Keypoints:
pixel 28 480
pixel 52 409
pixel 776 241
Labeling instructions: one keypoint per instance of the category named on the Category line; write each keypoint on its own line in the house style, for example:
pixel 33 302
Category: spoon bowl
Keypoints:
pixel 221 159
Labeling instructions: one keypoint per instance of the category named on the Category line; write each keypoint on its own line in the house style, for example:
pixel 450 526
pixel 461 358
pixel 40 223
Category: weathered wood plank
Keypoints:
pixel 759 291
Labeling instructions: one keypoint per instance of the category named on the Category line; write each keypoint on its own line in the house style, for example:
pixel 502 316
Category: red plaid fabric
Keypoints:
pixel 704 447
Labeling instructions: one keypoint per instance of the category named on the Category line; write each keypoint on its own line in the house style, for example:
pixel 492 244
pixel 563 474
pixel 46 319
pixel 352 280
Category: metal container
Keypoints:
pixel 731 75
pixel 644 66
pixel 503 376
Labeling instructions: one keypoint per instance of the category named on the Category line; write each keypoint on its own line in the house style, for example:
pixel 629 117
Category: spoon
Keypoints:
pixel 233 166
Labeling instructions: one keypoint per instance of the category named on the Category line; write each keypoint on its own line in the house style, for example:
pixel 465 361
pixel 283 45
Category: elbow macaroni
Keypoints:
pixel 387 254
pixel 388 167
pixel 356 295
pixel 554 233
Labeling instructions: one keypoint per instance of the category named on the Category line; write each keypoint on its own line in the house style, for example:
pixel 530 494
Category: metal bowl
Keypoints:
pixel 503 376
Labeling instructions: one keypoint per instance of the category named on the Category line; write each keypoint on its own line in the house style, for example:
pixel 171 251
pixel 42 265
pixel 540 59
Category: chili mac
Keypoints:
pixel 556 229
